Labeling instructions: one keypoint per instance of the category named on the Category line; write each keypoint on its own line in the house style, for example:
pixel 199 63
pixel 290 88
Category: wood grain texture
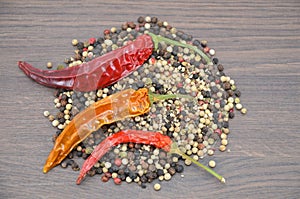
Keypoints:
pixel 258 43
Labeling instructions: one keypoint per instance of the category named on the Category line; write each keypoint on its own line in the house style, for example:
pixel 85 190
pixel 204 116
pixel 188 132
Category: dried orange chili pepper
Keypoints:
pixel 121 105
pixel 141 137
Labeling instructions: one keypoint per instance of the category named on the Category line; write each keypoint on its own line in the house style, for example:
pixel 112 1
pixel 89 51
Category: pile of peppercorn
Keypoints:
pixel 200 127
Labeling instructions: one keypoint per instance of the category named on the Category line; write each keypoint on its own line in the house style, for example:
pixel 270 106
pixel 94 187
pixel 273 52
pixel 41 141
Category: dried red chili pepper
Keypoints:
pixel 141 137
pixel 99 72
pixel 104 70
pixel 116 107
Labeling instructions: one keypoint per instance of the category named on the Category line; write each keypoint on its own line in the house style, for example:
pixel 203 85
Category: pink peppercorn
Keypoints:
pixel 179 85
pixel 92 41
pixel 218 131
pixel 104 178
pixel 220 116
pixel 201 102
pixel 117 181
pixel 206 49
pixel 106 32
pixel 118 162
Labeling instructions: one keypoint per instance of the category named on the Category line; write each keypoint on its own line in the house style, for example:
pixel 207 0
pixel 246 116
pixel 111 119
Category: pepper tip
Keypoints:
pixel 45 169
pixel 78 181
pixel 20 63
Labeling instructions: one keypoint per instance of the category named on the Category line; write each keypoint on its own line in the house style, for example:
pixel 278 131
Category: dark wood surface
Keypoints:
pixel 258 43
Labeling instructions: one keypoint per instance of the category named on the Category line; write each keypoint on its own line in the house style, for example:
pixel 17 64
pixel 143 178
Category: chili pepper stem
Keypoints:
pixel 157 97
pixel 176 150
pixel 157 38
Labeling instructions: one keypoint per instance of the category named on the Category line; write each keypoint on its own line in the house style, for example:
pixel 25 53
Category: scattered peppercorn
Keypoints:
pixel 157 187
pixel 49 65
pixel 212 163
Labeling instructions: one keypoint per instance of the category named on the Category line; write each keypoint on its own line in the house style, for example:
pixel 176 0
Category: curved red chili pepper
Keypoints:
pixel 142 137
pixel 97 73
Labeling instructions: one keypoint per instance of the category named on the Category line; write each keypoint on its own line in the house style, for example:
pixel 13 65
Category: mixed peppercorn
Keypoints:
pixel 155 57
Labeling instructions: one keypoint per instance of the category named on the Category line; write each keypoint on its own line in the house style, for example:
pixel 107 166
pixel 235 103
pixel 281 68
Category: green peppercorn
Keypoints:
pixel 60 67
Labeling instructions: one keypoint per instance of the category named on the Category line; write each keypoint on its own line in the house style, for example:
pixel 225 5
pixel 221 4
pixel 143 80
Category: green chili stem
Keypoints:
pixel 157 97
pixel 176 150
pixel 157 38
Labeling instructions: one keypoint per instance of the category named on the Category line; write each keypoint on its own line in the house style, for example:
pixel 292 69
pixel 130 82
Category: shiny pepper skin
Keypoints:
pixel 97 73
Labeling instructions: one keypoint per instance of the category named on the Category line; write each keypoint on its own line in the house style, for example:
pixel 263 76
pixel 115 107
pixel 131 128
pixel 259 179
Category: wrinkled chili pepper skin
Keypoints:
pixel 124 104
pixel 97 73
pixel 156 139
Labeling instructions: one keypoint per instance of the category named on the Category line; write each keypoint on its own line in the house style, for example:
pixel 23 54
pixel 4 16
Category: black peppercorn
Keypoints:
pixel 79 153
pixel 64 97
pixel 154 20
pixel 167 55
pixel 195 76
pixel 176 64
pixel 160 172
pixel 99 170
pixel 196 42
pixel 231 115
pixel 230 93
pixel 70 162
pixel 204 130
pixel 62 120
pixel 238 93
pixel 91 172
pixel 122 177
pixel 143 185
pixel 141 19
pixel 227 86
pixel 126 171
pixel 144 179
pixel 80 45
pixel 179 168
pixel 215 60
pixel 132 175
pixel 225 124
pixel 172 170
pixel 220 67
pixel 85 156
pixel 58 132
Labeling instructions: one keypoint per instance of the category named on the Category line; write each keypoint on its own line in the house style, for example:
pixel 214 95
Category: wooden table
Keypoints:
pixel 257 42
